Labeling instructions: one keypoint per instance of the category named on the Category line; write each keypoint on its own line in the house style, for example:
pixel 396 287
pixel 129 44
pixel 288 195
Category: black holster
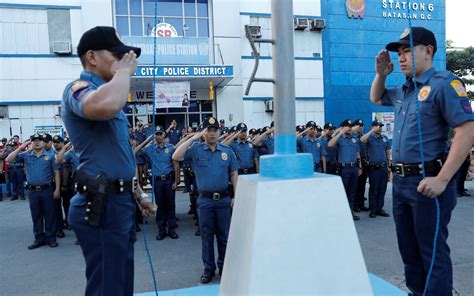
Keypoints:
pixel 96 195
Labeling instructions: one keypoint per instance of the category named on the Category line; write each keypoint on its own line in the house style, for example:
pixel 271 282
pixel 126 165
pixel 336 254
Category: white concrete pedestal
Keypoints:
pixel 293 237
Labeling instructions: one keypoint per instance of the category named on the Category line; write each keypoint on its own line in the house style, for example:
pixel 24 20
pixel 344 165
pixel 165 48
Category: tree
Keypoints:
pixel 461 63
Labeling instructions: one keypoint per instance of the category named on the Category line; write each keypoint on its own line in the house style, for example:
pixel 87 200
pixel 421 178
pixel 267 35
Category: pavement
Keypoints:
pixel 177 263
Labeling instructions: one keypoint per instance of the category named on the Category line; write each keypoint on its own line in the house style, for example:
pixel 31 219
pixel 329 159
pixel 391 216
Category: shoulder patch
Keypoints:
pixel 458 87
pixel 79 88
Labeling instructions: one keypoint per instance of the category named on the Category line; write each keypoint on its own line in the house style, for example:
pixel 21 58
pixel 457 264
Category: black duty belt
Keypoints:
pixel 348 165
pixel 39 187
pixel 214 195
pixel 169 176
pixel 317 165
pixel 247 171
pixel 432 168
pixel 378 165
pixel 116 186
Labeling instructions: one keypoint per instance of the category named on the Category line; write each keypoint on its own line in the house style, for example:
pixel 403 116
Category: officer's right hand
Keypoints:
pixel 128 63
pixel 383 64
pixel 68 146
pixel 25 144
pixel 345 129
pixel 198 136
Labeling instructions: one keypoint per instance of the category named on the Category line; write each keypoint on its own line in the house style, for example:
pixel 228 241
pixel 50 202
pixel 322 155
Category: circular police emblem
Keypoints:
pixel 212 120
pixel 167 150
pixel 353 140
pixel 46 158
pixel 424 93
pixel 224 156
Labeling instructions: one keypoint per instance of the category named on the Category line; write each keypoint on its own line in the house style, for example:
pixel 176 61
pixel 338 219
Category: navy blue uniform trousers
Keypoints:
pixel 166 202
pixel 108 249
pixel 42 214
pixel 350 177
pixel 415 219
pixel 214 219
pixel 17 179
pixel 378 179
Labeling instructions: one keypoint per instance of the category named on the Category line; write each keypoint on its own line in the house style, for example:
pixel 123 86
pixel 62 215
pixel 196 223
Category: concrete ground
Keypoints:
pixel 177 263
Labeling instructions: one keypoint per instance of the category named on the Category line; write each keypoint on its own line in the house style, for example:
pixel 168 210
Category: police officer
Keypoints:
pixel 214 164
pixel 442 103
pixel 48 142
pixel 102 212
pixel 246 154
pixel 309 143
pixel 57 142
pixel 174 133
pixel 266 140
pixel 331 156
pixel 42 176
pixel 378 157
pixel 139 133
pixel 348 160
pixel 166 174
pixel 359 203
pixel 16 174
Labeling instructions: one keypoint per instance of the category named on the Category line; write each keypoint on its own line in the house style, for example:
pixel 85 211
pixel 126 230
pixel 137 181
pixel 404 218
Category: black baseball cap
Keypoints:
pixel 102 37
pixel 310 124
pixel 4 140
pixel 66 140
pixel 58 139
pixel 241 127
pixel 359 122
pixel 36 137
pixel 420 36
pixel 272 124
pixel 253 131
pixel 318 128
pixel 159 130
pixel 47 138
pixel 377 123
pixel 265 129
pixel 210 122
pixel 346 122
pixel 329 126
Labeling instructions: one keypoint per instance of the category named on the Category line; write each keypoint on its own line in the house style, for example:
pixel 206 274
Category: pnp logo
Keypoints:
pixel 164 30
pixel 355 8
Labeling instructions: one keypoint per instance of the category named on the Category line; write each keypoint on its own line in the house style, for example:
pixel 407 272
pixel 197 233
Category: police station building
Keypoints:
pixel 205 46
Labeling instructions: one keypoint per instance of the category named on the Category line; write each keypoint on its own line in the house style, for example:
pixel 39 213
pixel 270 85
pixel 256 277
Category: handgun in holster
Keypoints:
pixel 95 190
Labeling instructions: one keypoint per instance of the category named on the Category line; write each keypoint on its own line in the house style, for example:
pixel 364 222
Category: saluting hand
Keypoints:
pixel 345 129
pixel 198 136
pixel 25 144
pixel 383 64
pixel 128 62
pixel 432 186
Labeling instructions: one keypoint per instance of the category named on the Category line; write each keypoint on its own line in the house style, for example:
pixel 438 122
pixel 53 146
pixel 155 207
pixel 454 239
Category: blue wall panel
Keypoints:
pixel 349 48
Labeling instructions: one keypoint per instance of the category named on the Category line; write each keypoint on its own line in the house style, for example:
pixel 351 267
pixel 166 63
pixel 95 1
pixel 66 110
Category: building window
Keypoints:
pixel 136 17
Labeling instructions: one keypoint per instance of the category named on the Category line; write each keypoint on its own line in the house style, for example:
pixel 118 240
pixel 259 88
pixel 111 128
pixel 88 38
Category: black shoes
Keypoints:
pixel 22 197
pixel 14 198
pixel 173 235
pixel 464 193
pixel 53 244
pixel 36 245
pixel 161 236
pixel 372 214
pixel 207 276
pixel 364 209
pixel 382 213
pixel 60 234
pixel 355 217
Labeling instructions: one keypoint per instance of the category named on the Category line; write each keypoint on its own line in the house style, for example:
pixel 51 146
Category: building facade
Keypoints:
pixel 203 42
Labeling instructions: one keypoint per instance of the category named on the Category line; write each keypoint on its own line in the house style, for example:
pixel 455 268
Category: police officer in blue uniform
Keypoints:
pixel 214 164
pixel 348 160
pixel 43 181
pixel 246 153
pixel 166 174
pixel 174 133
pixel 266 140
pixel 442 103
pixel 57 144
pixel 378 157
pixel 331 156
pixel 16 174
pixel 308 142
pixel 102 213
pixel 359 202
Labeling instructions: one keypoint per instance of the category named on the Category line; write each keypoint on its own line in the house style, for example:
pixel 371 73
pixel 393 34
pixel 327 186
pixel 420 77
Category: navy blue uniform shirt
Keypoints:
pixel 39 169
pixel 71 159
pixel 245 153
pixel 348 147
pixel 174 136
pixel 103 147
pixel 443 104
pixel 315 147
pixel 212 169
pixel 160 157
pixel 331 151
pixel 377 147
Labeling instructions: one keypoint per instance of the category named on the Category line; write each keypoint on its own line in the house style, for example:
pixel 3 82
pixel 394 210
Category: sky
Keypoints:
pixel 459 22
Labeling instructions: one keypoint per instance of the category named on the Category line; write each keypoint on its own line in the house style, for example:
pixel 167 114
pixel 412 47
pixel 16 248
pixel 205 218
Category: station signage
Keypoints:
pixel 185 71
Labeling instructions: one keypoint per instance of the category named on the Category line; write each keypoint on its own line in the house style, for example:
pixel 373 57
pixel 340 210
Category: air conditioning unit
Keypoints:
pixel 301 23
pixel 317 24
pixel 269 106
pixel 62 47
pixel 3 111
pixel 255 31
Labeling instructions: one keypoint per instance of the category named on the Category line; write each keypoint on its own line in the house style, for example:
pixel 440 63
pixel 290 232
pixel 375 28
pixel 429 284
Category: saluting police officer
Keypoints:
pixel 309 143
pixel 102 214
pixel 16 174
pixel 166 174
pixel 331 156
pixel 348 160
pixel 266 140
pixel 42 176
pixel 214 164
pixel 378 156
pixel 246 154
pixel 359 202
pixel 441 102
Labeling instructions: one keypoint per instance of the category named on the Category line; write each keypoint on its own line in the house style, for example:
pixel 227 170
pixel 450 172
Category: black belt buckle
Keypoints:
pixel 38 188
pixel 399 169
pixel 216 196
pixel 246 171
pixel 163 177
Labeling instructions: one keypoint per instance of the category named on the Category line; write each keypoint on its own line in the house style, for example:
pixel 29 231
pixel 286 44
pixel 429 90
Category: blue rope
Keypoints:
pixel 145 240
pixel 422 155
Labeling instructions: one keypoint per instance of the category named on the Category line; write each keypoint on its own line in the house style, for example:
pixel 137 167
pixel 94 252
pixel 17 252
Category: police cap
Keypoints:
pixel 420 36
pixel 272 124
pixel 102 37
pixel 346 122
pixel 36 137
pixel 359 122
pixel 318 128
pixel 377 123
pixel 159 130
pixel 210 122
pixel 329 126
pixel 310 124
pixel 58 139
pixel 66 140
pixel 232 129
pixel 4 140
pixel 265 129
pixel 253 131
pixel 47 138
pixel 242 127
